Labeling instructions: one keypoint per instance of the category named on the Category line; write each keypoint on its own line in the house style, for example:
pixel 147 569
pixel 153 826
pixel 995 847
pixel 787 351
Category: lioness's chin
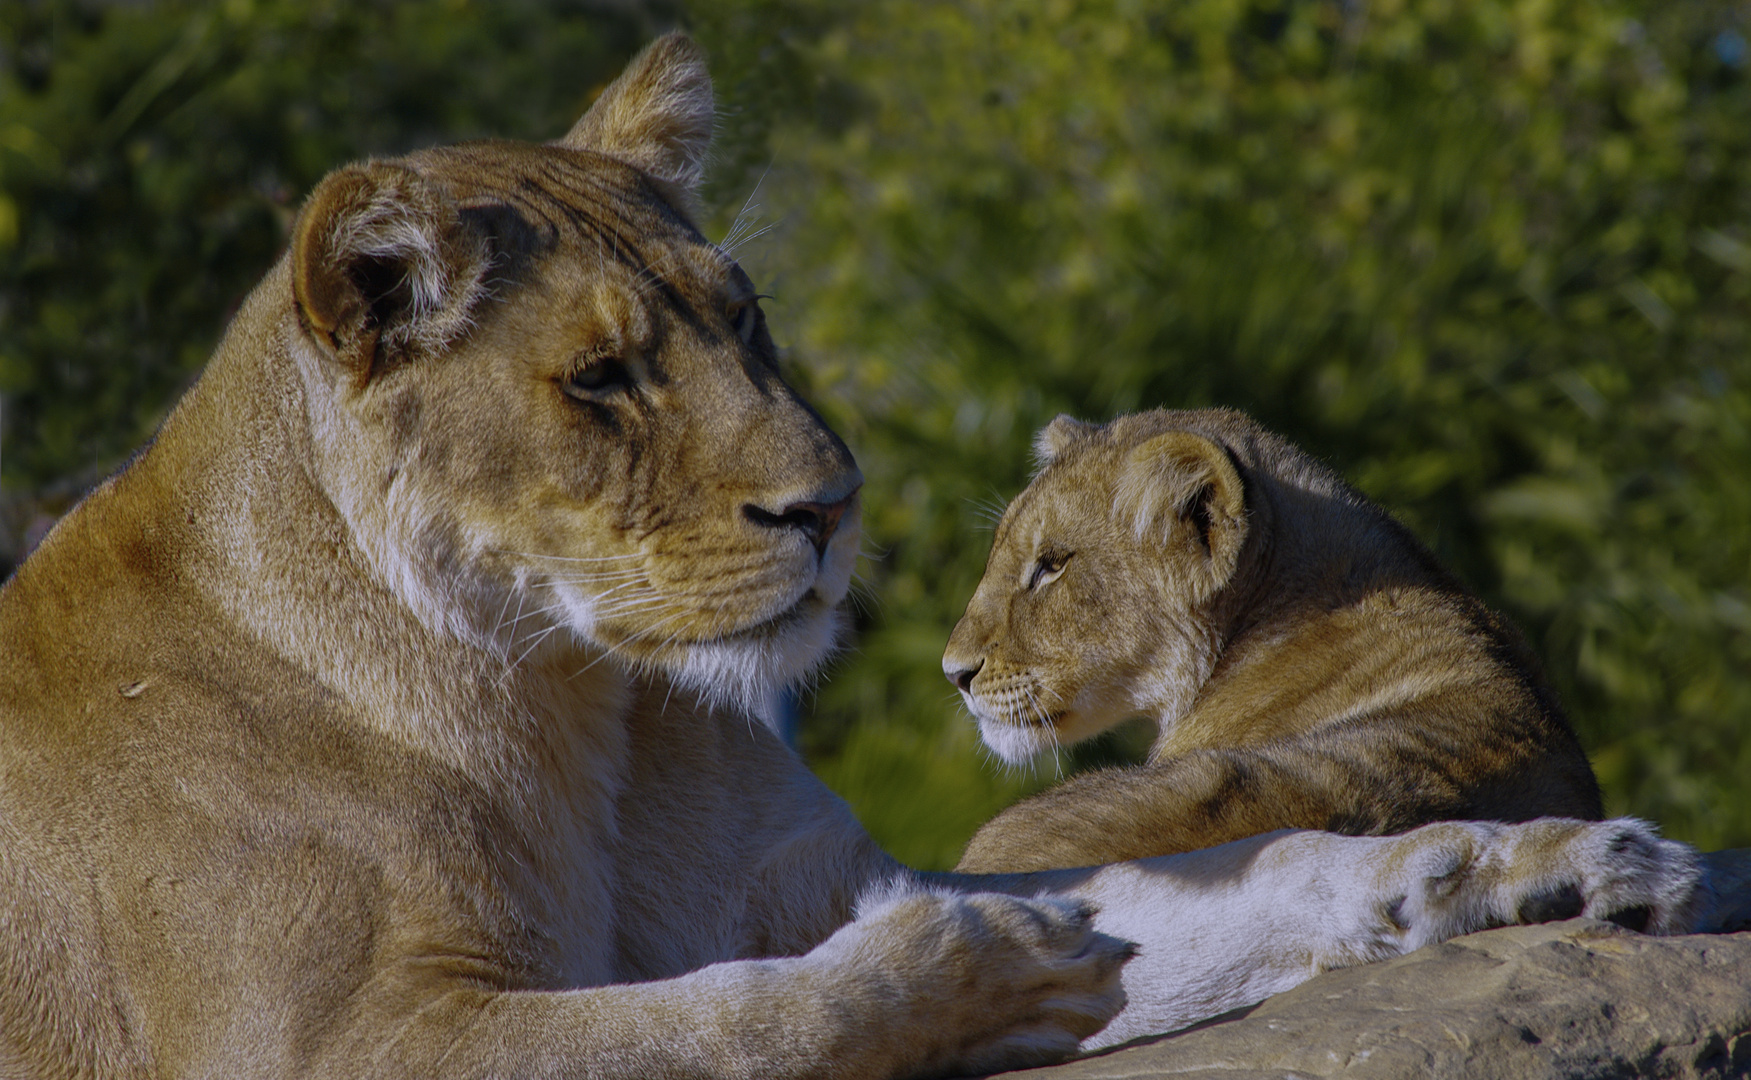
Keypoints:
pixel 751 668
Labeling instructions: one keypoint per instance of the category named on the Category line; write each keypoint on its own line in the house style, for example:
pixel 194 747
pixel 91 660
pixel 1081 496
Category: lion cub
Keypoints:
pixel 1307 662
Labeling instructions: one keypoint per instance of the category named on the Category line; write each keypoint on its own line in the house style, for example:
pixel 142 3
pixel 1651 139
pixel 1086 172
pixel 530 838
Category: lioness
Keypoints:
pixel 390 714
pixel 1306 661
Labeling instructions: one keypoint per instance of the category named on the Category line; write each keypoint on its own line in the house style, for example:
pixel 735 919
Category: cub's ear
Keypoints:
pixel 656 116
pixel 1176 478
pixel 1056 437
pixel 383 268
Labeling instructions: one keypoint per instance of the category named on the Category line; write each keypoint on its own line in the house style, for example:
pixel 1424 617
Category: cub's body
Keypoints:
pixel 1308 663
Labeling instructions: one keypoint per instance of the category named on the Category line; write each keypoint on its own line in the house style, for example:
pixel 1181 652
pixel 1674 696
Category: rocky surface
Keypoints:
pixel 1572 999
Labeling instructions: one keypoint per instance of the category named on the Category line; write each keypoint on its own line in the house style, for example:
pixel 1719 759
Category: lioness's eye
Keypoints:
pixel 1047 570
pixel 601 377
pixel 744 318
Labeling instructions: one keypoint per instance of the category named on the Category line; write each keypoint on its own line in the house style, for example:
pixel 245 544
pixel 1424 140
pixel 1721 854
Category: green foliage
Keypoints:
pixel 1491 259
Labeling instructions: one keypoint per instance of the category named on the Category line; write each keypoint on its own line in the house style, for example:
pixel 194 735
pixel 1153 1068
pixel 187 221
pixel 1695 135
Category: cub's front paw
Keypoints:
pixel 1469 876
pixel 992 982
pixel 1618 870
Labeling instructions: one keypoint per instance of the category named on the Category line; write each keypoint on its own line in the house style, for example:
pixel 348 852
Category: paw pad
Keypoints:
pixel 1563 902
pixel 1632 918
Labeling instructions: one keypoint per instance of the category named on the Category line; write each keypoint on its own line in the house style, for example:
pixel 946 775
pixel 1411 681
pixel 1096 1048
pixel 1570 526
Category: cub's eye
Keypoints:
pixel 595 380
pixel 1047 570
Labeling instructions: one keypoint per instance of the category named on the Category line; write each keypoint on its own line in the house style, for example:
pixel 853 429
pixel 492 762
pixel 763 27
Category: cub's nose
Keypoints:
pixel 816 520
pixel 963 677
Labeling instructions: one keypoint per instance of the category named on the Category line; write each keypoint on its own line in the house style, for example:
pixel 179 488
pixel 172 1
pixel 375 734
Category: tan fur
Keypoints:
pixel 1306 661
pixel 393 713
pixel 409 669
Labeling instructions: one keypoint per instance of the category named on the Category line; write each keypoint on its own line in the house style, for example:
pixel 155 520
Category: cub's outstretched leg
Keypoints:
pixel 1232 925
pixel 1335 781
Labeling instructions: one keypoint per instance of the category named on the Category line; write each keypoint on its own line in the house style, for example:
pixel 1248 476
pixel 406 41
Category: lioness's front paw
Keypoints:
pixel 1465 876
pixel 993 982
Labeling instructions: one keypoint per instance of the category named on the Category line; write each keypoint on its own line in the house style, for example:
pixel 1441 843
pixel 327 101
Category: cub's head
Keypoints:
pixel 548 408
pixel 1098 601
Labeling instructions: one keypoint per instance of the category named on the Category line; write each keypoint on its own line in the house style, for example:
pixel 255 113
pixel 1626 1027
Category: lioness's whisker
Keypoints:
pixel 502 625
pixel 610 602
pixel 575 558
pixel 614 582
pixel 752 236
pixel 499 620
pixel 864 595
pixel 749 208
pixel 610 650
pixel 534 642
pixel 654 608
pixel 549 609
pixel 618 580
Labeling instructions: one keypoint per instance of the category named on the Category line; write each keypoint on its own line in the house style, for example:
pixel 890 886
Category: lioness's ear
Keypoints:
pixel 382 266
pixel 1056 437
pixel 1180 477
pixel 656 116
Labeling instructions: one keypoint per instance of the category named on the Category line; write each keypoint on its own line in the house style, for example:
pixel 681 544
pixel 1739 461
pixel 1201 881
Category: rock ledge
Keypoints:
pixel 1572 999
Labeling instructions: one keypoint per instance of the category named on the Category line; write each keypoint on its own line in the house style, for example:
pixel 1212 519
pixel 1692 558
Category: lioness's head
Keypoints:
pixel 547 406
pixel 1104 575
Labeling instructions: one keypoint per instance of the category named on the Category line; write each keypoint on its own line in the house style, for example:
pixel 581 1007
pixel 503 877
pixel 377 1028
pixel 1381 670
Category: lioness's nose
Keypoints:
pixel 817 521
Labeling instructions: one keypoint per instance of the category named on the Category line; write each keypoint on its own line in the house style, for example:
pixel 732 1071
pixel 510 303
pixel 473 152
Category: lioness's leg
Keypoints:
pixel 922 983
pixel 1231 925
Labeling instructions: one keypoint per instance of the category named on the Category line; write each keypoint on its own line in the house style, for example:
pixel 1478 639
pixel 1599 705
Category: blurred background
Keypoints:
pixel 1489 258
